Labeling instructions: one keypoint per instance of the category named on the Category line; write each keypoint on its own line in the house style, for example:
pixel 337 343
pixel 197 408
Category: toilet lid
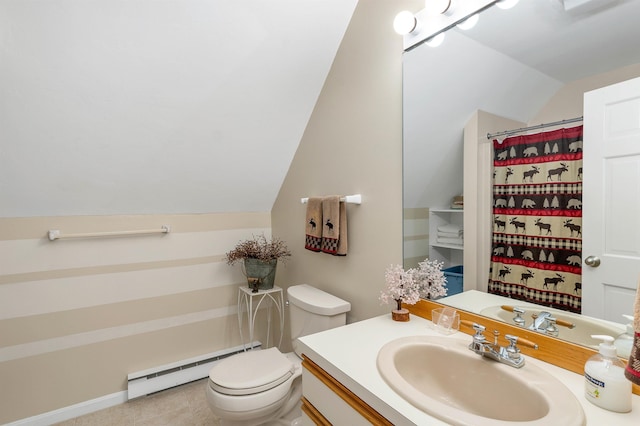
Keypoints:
pixel 251 372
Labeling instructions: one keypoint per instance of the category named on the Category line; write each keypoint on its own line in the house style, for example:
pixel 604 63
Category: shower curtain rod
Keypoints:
pixel 538 126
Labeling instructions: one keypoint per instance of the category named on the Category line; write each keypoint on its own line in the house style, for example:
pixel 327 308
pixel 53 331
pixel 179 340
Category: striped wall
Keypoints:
pixel 416 235
pixel 76 316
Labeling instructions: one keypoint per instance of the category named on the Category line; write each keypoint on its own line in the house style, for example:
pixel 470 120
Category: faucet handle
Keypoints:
pixel 513 340
pixel 551 328
pixel 513 352
pixel 561 322
pixel 472 324
pixel 518 320
pixel 478 337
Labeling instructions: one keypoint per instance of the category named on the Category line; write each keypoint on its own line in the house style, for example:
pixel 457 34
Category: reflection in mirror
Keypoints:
pixel 517 68
pixel 548 321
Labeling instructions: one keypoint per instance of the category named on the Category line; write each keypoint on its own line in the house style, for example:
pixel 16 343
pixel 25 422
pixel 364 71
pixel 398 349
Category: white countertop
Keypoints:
pixel 349 354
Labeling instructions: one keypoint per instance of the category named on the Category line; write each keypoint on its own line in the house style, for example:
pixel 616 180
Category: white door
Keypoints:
pixel 611 200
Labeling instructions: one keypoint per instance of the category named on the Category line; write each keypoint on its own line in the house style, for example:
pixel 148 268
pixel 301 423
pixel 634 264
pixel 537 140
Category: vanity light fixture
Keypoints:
pixel 437 7
pixel 439 16
pixel 405 23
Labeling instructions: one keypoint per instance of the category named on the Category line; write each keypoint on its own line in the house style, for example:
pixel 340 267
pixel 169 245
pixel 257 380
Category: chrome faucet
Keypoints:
pixel 509 355
pixel 540 322
pixel 545 323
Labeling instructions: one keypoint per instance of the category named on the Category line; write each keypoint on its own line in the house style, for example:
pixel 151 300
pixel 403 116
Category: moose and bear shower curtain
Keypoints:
pixel 537 218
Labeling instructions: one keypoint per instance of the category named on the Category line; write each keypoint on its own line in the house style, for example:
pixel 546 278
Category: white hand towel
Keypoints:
pixel 449 234
pixel 450 227
pixel 457 241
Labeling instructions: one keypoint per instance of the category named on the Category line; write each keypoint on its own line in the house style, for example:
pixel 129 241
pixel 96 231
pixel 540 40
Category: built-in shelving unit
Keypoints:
pixel 449 254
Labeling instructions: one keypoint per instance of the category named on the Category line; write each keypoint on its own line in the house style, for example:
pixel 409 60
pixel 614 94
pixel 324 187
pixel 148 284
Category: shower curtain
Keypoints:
pixel 537 219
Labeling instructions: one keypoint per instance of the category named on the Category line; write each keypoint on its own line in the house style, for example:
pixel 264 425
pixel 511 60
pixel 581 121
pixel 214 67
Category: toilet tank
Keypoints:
pixel 312 310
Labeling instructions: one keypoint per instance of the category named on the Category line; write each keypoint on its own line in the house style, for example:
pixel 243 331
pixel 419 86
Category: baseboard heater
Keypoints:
pixel 178 373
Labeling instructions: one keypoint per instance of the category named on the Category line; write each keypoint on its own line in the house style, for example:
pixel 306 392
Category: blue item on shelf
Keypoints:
pixel 454 279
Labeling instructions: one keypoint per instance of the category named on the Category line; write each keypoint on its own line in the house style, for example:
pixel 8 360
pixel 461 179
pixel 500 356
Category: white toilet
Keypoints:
pixel 265 386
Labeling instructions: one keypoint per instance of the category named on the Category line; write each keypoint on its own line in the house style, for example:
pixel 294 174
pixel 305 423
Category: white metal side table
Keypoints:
pixel 246 303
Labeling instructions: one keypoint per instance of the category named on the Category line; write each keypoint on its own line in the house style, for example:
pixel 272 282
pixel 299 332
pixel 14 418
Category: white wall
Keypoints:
pixel 151 107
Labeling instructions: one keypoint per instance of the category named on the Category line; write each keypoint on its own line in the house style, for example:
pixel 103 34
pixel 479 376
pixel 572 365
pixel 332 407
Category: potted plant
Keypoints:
pixel 427 280
pixel 259 258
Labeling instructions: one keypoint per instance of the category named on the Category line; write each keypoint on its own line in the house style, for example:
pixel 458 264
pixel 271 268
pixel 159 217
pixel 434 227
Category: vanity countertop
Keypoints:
pixel 349 354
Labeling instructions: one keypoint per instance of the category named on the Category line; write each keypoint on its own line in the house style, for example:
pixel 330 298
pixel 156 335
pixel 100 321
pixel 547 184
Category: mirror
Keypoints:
pixel 511 65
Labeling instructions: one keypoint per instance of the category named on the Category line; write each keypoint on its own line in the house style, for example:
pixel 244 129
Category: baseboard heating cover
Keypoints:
pixel 178 373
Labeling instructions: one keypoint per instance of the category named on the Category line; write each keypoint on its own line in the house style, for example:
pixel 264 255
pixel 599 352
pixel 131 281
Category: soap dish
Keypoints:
pixel 445 320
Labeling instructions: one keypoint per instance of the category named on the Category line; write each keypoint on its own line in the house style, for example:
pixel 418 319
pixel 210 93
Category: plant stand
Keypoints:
pixel 273 296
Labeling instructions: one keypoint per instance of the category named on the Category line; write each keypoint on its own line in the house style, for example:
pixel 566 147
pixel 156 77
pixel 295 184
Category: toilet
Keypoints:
pixel 265 386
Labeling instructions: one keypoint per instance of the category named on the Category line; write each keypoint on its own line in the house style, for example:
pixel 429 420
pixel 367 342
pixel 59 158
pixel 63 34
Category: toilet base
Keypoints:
pixel 284 412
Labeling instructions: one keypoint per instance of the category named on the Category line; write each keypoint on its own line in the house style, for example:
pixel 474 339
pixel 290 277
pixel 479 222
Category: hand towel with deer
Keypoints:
pixel 326 225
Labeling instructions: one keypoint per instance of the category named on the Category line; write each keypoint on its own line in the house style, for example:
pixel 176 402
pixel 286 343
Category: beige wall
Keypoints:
pixel 568 101
pixel 415 235
pixel 353 144
pixel 76 316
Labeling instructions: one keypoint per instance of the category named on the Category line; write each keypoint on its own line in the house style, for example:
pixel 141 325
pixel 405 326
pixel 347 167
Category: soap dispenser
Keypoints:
pixel 624 342
pixel 605 383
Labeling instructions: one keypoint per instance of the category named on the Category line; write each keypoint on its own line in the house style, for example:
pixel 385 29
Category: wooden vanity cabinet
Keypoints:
pixel 326 401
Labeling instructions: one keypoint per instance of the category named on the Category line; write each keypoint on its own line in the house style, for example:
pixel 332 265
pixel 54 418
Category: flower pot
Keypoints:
pixel 260 274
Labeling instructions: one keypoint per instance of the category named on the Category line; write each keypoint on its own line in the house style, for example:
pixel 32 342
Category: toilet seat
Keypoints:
pixel 251 372
pixel 256 382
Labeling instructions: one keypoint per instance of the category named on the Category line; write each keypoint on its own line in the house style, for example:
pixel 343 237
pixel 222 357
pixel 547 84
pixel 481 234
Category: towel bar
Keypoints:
pixel 351 199
pixel 54 234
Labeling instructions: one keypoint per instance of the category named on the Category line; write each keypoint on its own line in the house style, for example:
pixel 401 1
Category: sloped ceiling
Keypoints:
pixel 510 65
pixel 157 106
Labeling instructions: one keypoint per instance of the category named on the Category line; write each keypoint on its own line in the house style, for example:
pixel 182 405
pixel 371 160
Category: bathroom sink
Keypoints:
pixel 443 378
pixel 580 334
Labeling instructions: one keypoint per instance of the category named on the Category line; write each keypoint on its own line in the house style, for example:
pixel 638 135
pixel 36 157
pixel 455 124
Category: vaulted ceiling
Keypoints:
pixel 157 106
pixel 167 106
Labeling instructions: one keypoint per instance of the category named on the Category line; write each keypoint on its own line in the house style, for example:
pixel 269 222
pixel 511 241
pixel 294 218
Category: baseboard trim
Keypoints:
pixel 72 411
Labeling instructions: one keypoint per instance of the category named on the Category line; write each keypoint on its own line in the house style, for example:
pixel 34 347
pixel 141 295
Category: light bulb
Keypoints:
pixel 436 7
pixel 506 4
pixel 404 23
pixel 435 41
pixel 469 23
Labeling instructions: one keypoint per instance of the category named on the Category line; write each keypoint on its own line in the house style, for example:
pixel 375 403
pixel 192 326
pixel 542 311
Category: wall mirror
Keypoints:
pixel 511 65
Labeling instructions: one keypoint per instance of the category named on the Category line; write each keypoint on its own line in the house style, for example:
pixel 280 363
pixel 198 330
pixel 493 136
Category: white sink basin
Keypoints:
pixel 580 334
pixel 446 380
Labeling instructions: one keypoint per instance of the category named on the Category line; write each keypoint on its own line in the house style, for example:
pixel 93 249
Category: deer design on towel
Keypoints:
pixel 329 225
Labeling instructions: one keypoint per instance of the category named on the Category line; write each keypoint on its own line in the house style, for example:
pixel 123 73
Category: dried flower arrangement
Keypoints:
pixel 258 248
pixel 433 282
pixel 427 280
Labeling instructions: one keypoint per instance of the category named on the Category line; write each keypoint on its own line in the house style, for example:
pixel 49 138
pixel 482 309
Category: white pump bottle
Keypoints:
pixel 605 383
pixel 624 342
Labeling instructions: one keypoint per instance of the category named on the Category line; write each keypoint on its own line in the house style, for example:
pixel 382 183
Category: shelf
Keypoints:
pixel 446 210
pixel 447 246
pixel 448 253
